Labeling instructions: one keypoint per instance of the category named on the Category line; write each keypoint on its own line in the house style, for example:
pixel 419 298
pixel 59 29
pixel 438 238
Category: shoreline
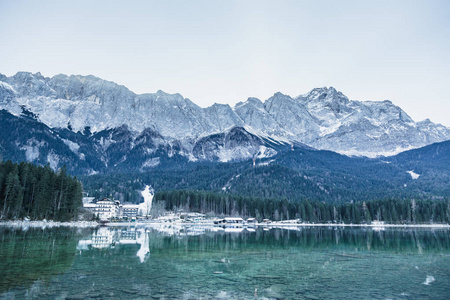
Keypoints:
pixel 90 224
pixel 49 224
pixel 273 224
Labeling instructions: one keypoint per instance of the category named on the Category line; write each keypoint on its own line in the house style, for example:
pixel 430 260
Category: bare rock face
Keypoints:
pixel 123 126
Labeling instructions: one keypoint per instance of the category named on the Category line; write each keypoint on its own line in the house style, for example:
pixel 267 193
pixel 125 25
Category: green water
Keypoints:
pixel 199 263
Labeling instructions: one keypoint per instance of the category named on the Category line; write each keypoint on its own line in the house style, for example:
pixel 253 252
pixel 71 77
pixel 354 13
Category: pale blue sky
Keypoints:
pixel 226 51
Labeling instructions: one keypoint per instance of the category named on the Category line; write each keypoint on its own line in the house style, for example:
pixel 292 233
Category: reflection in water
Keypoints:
pixel 238 263
pixel 35 254
pixel 105 237
pixel 337 238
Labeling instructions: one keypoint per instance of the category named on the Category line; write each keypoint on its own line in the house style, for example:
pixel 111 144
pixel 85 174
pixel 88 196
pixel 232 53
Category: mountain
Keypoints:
pixel 24 138
pixel 93 125
pixel 367 128
pixel 297 174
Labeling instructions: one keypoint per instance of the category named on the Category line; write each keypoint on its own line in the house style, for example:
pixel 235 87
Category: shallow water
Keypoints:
pixel 207 263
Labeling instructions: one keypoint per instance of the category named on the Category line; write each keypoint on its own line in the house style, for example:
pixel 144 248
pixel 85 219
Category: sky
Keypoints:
pixel 227 51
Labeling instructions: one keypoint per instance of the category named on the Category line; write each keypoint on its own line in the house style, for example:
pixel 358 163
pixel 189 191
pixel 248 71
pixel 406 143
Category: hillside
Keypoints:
pixel 296 175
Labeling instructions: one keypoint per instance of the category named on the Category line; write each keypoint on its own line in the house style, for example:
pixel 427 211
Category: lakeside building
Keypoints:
pixel 193 217
pixel 107 209
pixel 229 221
pixel 129 211
pixel 234 221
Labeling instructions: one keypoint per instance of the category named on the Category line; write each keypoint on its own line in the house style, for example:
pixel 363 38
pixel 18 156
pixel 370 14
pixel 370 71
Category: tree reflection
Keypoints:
pixel 35 254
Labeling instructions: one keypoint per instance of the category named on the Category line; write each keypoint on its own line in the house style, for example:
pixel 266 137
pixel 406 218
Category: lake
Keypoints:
pixel 211 263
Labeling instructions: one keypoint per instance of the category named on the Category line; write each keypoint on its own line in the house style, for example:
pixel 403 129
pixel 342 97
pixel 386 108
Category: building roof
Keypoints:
pixel 106 200
pixel 130 206
pixel 234 219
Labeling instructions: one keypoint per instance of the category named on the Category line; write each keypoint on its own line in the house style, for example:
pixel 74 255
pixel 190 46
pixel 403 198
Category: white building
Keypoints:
pixel 234 221
pixel 106 209
pixel 129 211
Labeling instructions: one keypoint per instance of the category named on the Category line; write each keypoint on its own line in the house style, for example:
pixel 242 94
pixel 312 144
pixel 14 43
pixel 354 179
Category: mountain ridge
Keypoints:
pixel 299 174
pixel 323 118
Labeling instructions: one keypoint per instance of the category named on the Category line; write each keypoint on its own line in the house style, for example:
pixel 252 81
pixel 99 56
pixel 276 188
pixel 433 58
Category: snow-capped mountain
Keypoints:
pixel 369 128
pixel 91 107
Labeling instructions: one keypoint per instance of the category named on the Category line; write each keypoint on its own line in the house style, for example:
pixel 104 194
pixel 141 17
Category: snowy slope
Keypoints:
pixel 323 118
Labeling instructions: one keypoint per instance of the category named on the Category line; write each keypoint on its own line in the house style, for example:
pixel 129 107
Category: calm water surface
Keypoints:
pixel 202 263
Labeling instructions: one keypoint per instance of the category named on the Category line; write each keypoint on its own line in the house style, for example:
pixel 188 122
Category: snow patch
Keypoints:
pixel 146 206
pixel 413 175
pixel 226 155
pixel 32 149
pixel 92 172
pixel 105 143
pixel 31 152
pixel 329 130
pixel 6 86
pixel 151 163
pixel 370 154
pixel 266 163
pixel 53 160
pixel 228 184
pixel 74 147
pixel 265 152
pixel 124 158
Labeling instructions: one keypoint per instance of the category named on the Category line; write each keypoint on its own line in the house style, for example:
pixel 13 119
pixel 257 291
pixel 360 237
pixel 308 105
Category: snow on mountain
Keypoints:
pixel 254 115
pixel 229 145
pixel 293 117
pixel 323 118
pixel 222 117
pixel 413 174
pixel 369 128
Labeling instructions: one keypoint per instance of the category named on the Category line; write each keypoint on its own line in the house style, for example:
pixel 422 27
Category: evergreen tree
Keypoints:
pixel 387 210
pixel 27 190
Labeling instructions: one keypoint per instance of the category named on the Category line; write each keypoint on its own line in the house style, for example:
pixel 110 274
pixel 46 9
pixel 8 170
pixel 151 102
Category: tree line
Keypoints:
pixel 35 192
pixel 391 211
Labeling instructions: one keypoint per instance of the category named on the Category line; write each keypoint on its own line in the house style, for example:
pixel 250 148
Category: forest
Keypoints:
pixel 391 211
pixel 294 175
pixel 37 193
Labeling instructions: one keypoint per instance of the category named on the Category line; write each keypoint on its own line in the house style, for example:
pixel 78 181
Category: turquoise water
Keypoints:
pixel 202 263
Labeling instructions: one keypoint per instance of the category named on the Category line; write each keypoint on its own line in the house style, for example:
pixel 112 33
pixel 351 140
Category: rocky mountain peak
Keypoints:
pixel 326 95
pixel 324 118
pixel 251 101
pixel 425 122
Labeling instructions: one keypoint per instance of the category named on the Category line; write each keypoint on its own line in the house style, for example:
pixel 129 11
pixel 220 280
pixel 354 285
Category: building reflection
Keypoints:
pixel 106 237
pixel 161 238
